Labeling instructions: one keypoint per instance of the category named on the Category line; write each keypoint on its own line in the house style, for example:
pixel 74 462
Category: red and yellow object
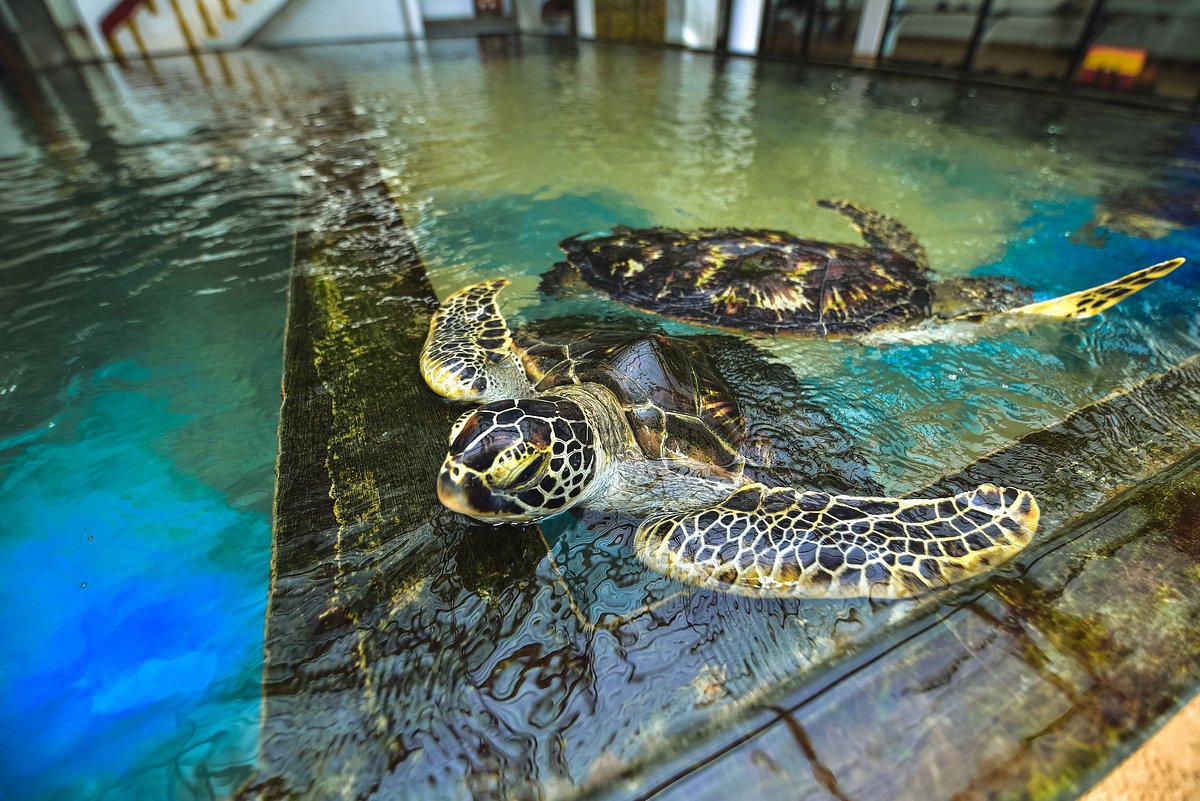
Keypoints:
pixel 1112 67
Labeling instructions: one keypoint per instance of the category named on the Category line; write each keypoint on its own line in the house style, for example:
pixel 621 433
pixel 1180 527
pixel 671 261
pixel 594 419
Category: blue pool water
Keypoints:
pixel 112 674
pixel 142 302
pixel 137 438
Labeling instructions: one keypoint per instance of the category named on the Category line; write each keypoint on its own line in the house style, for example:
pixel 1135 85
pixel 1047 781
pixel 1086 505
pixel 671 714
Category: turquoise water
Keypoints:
pixel 991 182
pixel 147 239
pixel 143 302
pixel 111 673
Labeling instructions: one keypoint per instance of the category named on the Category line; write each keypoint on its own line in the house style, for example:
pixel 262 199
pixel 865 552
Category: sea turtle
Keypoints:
pixel 649 428
pixel 1144 212
pixel 774 282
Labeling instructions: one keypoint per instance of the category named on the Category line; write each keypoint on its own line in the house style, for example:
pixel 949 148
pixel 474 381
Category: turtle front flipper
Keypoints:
pixel 793 543
pixel 880 231
pixel 1090 302
pixel 469 354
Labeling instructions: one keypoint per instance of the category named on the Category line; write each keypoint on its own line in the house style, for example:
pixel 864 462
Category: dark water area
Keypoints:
pixel 155 225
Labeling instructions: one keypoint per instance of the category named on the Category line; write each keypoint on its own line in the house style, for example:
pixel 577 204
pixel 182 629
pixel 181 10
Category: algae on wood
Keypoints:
pixel 358 529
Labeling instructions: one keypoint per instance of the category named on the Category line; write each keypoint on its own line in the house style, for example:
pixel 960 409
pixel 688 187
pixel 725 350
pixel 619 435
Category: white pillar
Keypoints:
pixel 585 19
pixel 415 18
pixel 745 26
pixel 693 23
pixel 871 27
pixel 700 24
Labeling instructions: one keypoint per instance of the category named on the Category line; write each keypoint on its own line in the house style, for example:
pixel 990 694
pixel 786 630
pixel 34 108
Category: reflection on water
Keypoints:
pixel 145 243
pixel 1016 686
pixel 142 298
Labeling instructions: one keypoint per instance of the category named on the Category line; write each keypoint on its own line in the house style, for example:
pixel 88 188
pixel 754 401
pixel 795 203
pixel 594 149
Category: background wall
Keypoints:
pixel 302 21
pixel 448 9
pixel 265 22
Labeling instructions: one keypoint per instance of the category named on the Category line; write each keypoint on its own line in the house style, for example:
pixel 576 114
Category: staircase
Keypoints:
pixel 155 27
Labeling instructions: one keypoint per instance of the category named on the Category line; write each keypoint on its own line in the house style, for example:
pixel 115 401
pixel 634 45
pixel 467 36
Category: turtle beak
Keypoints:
pixel 451 488
pixel 462 490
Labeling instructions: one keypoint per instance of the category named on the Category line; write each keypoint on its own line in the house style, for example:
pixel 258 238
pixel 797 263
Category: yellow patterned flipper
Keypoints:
pixel 793 543
pixel 1090 302
pixel 468 354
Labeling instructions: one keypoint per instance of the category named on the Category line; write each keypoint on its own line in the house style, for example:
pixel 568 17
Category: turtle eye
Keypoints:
pixel 519 473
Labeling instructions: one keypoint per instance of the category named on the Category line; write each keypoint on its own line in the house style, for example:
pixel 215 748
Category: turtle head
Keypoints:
pixel 519 460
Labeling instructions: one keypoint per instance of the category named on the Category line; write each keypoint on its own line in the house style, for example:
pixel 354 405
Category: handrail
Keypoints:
pixel 122 15
pixel 122 11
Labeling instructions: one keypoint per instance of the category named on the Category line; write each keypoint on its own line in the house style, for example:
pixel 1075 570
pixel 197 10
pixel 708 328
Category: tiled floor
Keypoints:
pixel 1166 768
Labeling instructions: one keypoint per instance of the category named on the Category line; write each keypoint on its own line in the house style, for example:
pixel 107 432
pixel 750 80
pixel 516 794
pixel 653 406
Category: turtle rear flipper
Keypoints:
pixel 880 231
pixel 468 354
pixel 788 542
pixel 1090 302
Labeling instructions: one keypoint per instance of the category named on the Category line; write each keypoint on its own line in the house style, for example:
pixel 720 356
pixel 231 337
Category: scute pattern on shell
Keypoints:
pixel 677 405
pixel 753 279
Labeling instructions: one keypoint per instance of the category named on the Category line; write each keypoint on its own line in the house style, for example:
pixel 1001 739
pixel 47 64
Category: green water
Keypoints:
pixel 496 159
pixel 146 242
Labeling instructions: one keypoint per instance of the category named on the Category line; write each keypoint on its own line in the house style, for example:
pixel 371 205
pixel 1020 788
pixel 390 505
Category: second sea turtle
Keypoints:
pixel 775 282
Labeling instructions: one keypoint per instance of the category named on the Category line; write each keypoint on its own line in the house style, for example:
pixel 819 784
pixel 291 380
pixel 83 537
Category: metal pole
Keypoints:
pixel 1090 30
pixel 981 21
pixel 726 17
pixel 806 43
pixel 184 28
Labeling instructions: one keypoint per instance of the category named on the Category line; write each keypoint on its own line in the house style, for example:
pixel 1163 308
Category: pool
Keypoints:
pixel 154 220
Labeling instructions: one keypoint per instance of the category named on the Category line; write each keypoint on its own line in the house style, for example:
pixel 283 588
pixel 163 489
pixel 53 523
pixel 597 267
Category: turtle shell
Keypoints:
pixel 677 405
pixel 754 279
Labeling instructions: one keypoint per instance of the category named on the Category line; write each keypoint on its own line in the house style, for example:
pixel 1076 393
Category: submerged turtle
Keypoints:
pixel 647 426
pixel 1144 212
pixel 774 282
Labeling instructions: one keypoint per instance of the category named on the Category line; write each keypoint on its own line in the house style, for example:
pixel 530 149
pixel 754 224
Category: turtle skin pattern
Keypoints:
pixel 773 282
pixel 730 533
pixel 676 403
pixel 466 335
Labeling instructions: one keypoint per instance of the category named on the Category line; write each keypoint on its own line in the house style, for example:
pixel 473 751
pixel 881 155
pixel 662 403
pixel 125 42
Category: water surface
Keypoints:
pixel 148 220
